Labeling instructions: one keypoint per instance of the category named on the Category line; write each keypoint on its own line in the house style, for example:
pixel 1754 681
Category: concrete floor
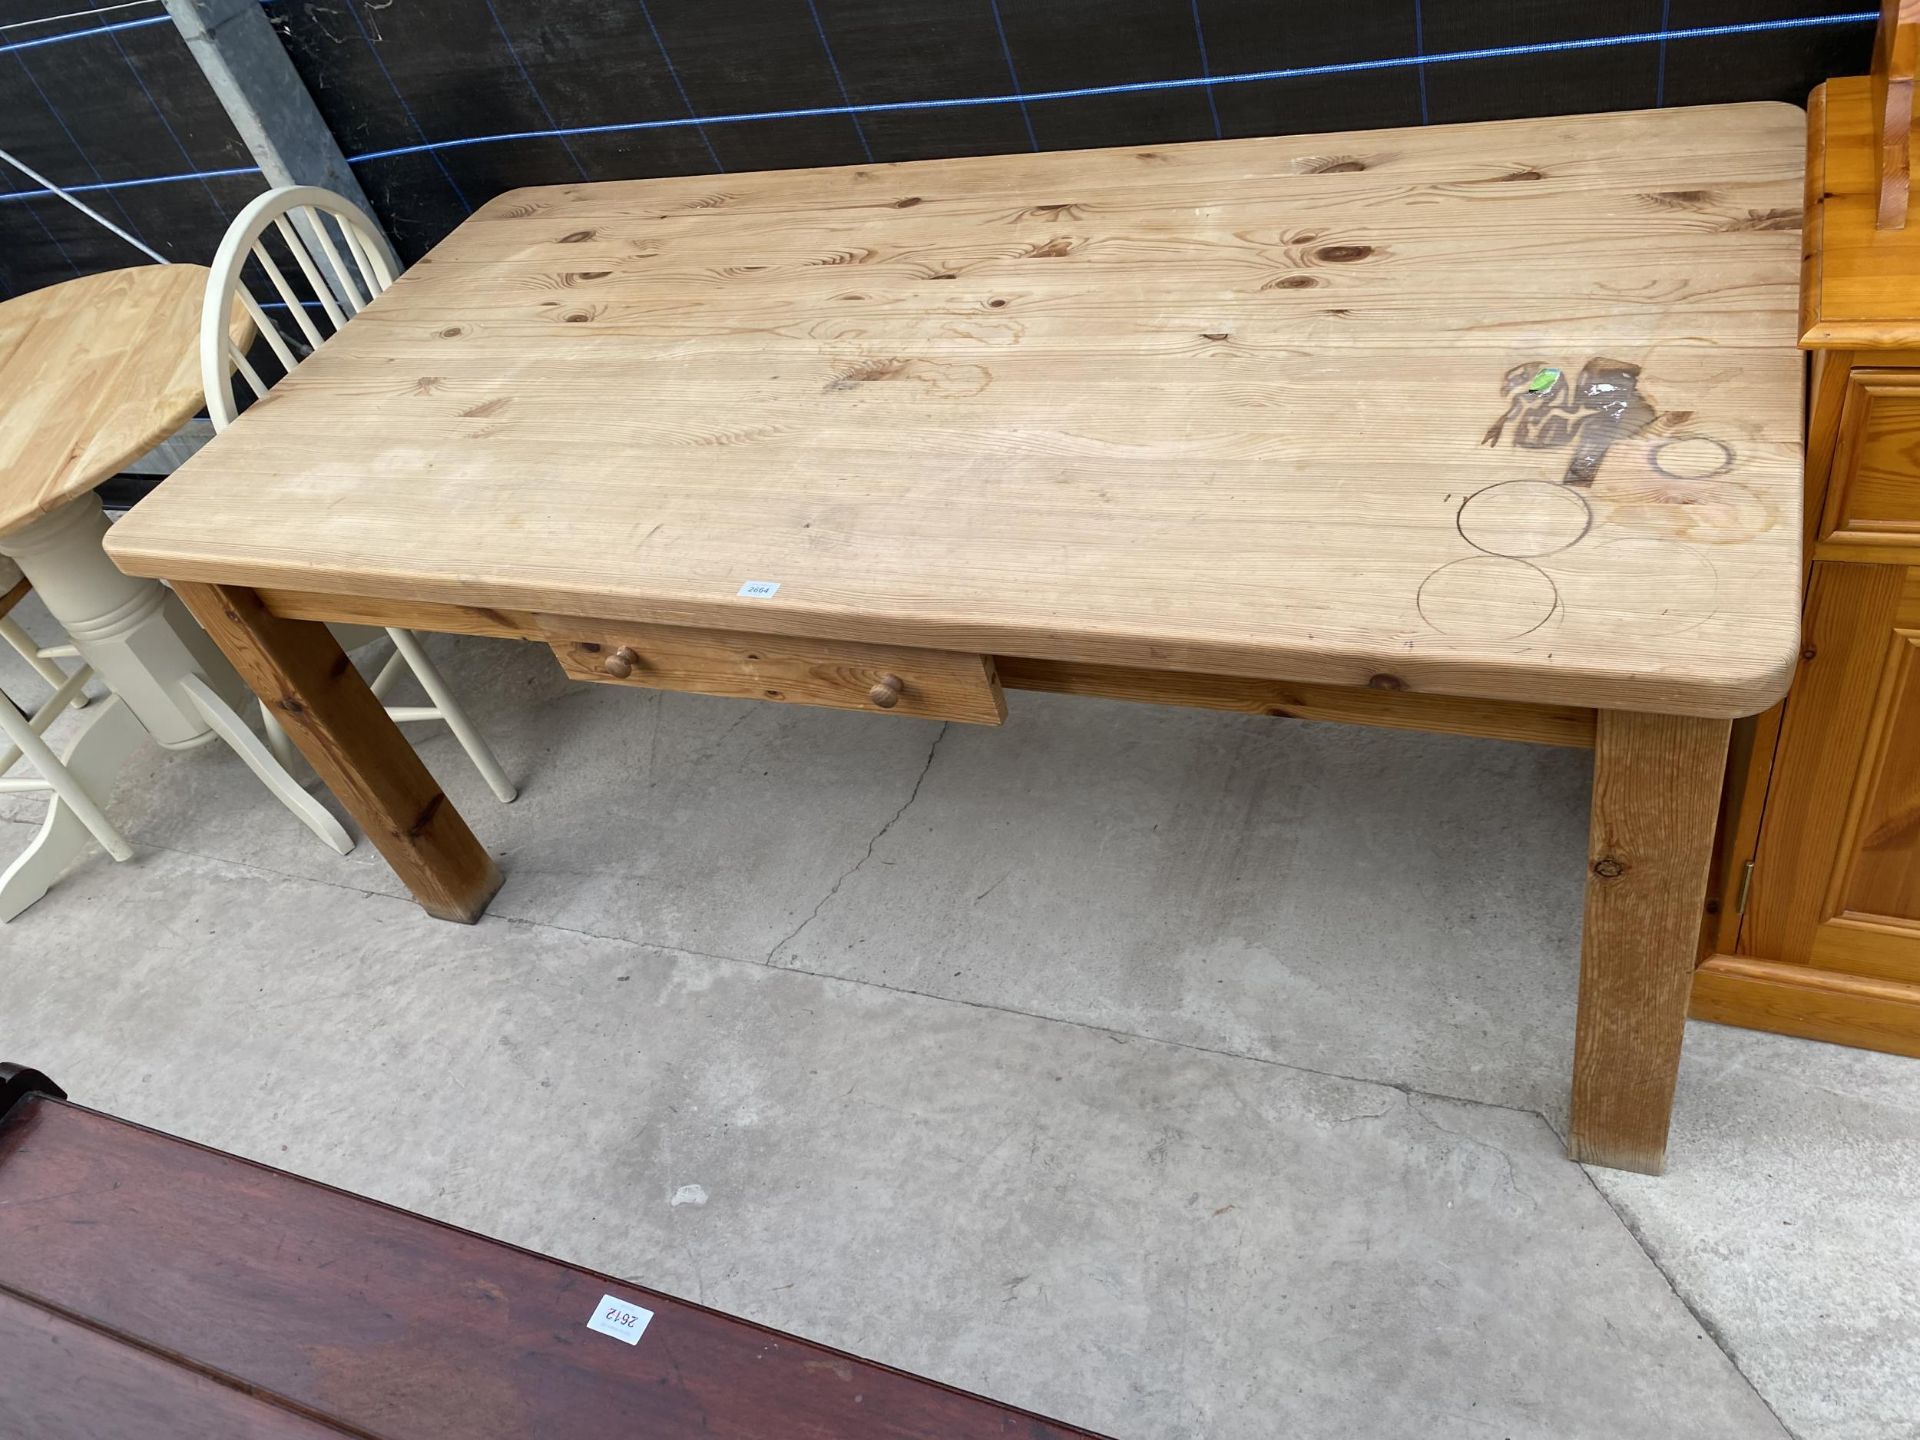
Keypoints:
pixel 1175 1074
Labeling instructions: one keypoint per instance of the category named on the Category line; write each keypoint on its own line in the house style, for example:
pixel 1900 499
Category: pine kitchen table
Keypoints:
pixel 1491 429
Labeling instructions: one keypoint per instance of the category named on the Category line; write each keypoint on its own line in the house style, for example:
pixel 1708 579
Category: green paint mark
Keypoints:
pixel 1542 381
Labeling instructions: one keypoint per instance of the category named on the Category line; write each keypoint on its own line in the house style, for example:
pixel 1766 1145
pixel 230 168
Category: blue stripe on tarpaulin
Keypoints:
pixel 673 72
pixel 115 28
pixel 426 146
pixel 78 149
pixel 1420 54
pixel 1013 74
pixel 13 192
pixel 65 35
pixel 838 79
pixel 1660 73
pixel 1023 98
pixel 513 53
pixel 1206 69
pixel 165 123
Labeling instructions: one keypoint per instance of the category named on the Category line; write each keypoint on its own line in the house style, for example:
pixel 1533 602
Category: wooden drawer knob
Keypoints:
pixel 886 693
pixel 620 664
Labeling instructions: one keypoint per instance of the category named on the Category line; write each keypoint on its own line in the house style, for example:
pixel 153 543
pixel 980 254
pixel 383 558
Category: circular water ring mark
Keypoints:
pixel 1520 519
pixel 1488 597
pixel 1691 457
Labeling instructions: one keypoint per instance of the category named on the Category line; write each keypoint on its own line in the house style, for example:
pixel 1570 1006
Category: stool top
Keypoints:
pixel 93 373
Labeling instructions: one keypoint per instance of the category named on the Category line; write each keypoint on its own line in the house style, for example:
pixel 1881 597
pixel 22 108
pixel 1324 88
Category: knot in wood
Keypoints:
pixel 1384 681
pixel 1607 867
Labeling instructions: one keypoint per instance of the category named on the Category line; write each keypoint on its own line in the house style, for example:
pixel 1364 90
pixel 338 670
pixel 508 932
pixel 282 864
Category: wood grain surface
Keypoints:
pixel 61 1380
pixel 1873 493
pixel 933 684
pixel 1507 410
pixel 1861 279
pixel 1656 798
pixel 298 669
pixel 388 1325
pixel 1382 703
pixel 1853 615
pixel 1858 1010
pixel 1896 52
pixel 93 373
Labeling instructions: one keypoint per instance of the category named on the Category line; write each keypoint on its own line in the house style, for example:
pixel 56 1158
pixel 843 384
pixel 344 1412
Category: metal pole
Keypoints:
pixel 248 68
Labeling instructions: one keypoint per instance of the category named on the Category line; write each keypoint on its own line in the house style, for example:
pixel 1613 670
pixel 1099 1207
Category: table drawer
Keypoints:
pixel 884 679
pixel 1875 491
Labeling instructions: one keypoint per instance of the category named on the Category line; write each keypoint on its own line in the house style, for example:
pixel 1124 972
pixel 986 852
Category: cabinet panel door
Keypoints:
pixel 1836 879
pixel 1873 494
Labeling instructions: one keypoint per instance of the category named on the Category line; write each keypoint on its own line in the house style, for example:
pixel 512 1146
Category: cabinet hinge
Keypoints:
pixel 1746 884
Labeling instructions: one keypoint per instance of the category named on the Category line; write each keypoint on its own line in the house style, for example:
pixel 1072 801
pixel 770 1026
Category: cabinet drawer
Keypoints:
pixel 883 679
pixel 1874 494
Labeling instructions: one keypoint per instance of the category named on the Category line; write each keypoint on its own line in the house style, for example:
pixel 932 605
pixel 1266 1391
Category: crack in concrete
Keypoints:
pixel 1708 1327
pixel 1712 1331
pixel 878 836
pixel 1513 1182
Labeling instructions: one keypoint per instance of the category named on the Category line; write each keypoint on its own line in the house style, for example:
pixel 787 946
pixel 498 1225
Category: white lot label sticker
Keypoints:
pixel 759 589
pixel 620 1319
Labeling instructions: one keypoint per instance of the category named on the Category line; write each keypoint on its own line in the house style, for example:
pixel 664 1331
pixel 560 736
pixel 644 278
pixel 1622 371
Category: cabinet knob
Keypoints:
pixel 886 693
pixel 620 664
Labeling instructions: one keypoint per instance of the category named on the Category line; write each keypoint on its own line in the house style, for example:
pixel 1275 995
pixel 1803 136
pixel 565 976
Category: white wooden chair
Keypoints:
pixel 13 589
pixel 343 261
pixel 26 878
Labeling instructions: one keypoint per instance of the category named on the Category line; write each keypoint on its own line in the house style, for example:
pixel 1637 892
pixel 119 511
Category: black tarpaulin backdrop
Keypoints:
pixel 127 103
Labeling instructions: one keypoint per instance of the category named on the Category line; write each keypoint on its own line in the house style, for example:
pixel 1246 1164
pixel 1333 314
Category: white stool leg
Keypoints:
pixel 11 632
pixel 93 760
pixel 232 729
pixel 279 743
pixel 470 739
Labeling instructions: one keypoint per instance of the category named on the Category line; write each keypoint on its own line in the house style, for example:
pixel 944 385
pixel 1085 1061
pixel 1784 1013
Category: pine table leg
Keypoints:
pixel 312 688
pixel 1656 800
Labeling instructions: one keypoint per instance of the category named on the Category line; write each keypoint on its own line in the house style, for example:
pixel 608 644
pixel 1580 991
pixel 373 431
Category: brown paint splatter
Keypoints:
pixel 1602 407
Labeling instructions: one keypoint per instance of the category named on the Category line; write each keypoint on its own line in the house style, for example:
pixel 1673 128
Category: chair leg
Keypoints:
pixel 23 737
pixel 244 743
pixel 93 760
pixel 11 632
pixel 44 716
pixel 478 751
pixel 395 667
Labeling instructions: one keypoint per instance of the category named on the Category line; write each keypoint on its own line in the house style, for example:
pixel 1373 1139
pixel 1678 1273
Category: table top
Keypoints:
pixel 1507 410
pixel 1863 283
pixel 134 1265
pixel 93 373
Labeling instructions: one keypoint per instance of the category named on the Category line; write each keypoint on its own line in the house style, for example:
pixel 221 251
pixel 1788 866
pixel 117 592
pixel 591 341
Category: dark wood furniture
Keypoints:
pixel 153 1288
